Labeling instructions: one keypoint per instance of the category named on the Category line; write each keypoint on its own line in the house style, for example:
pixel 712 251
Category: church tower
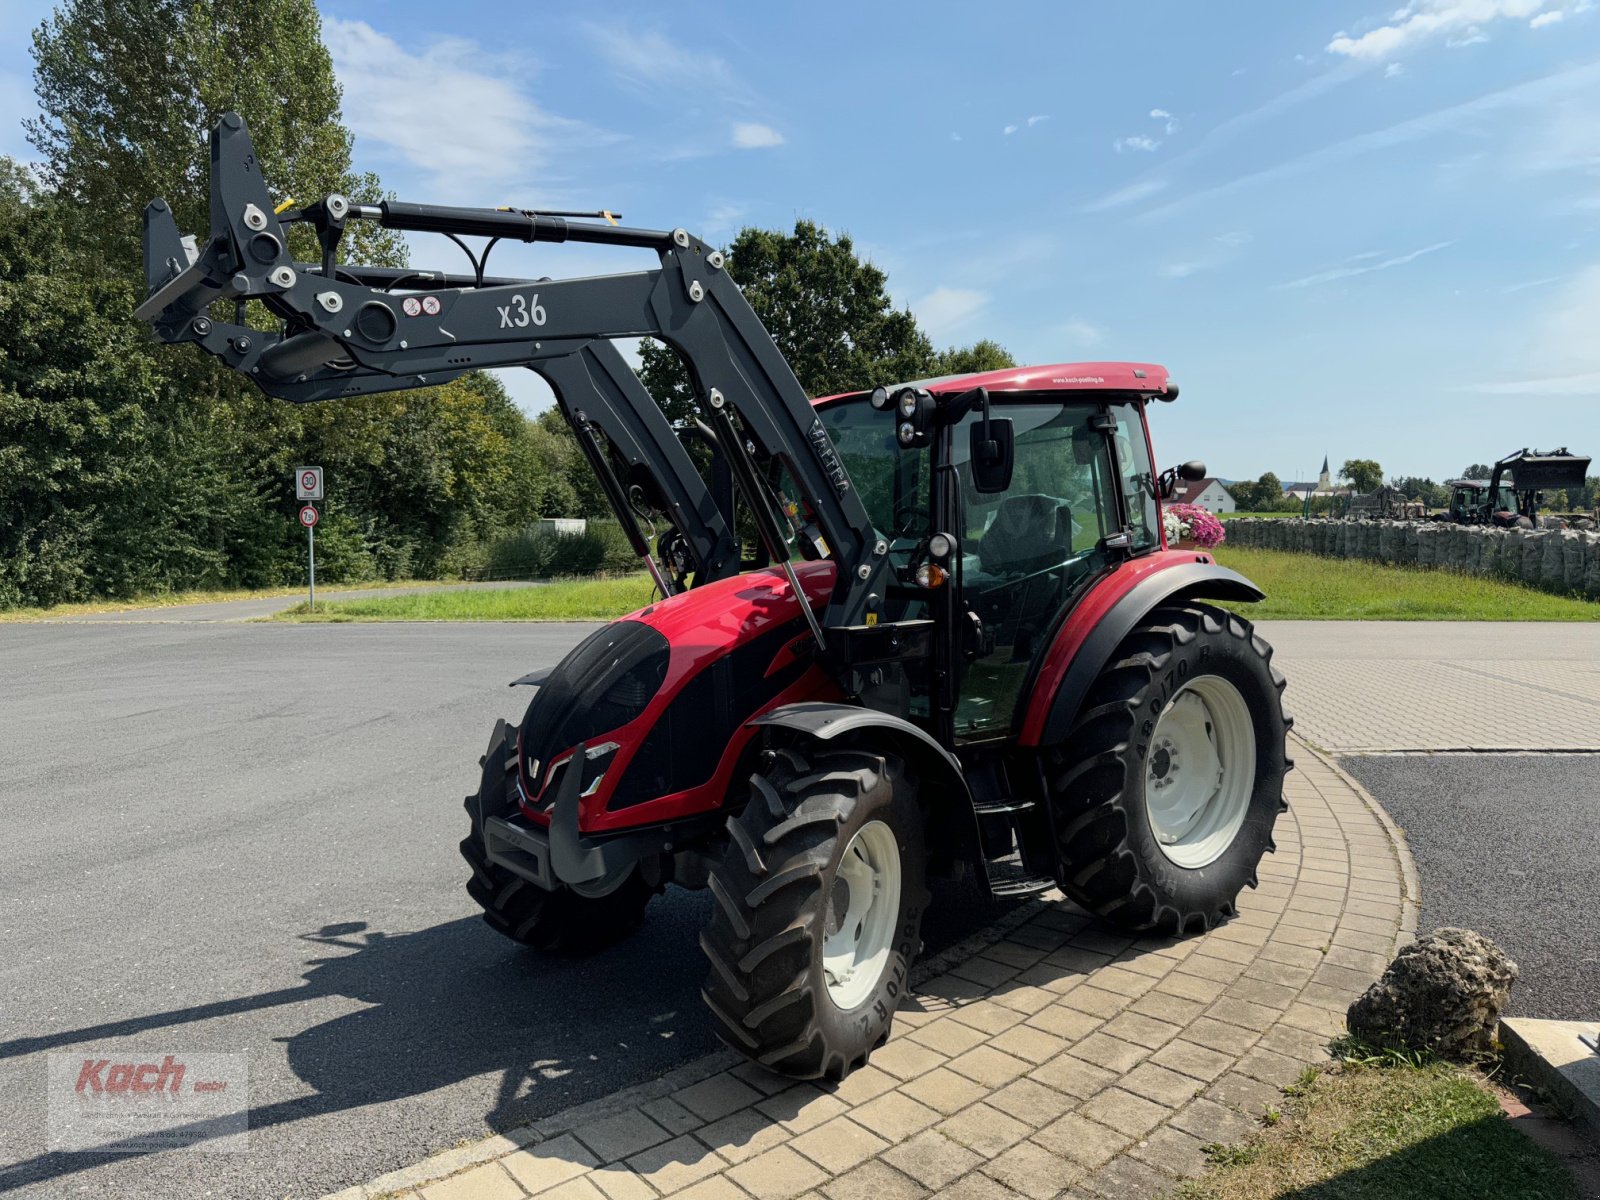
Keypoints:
pixel 1324 484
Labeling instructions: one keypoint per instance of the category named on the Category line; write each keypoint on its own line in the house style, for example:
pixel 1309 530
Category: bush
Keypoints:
pixel 536 553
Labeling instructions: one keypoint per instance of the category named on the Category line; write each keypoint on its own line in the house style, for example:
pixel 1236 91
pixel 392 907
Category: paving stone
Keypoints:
pixel 987 1016
pixel 985 1129
pixel 1160 1084
pixel 581 1188
pixel 1102 940
pixel 1064 1021
pixel 1141 1030
pixel 1270 1067
pixel 1072 1075
pixel 671 1115
pixel 947 1036
pixel 1262 991
pixel 1031 1101
pixel 1127 1178
pixel 839 1145
pixel 1219 1035
pixel 908 1057
pixel 1030 1044
pixel 874 1181
pixel 984 971
pixel 619 1183
pixel 1077 960
pixel 766 1082
pixel 488 1182
pixel 1033 1171
pixel 1174 1151
pixel 976 1186
pixel 954 988
pixel 778 1174
pixel 932 1159
pixel 1218 969
pixel 1024 998
pixel 742 1135
pixel 1163 1006
pixel 715 1188
pixel 1296 1043
pixel 545 1164
pixel 894 1116
pixel 1192 1059
pixel 944 1090
pixel 619 1136
pixel 1090 999
pixel 1084 1141
pixel 1125 1112
pixel 802 1108
pixel 989 1066
pixel 862 1085
pixel 1212 1122
pixel 676 1164
pixel 1244 1013
pixel 1189 987
pixel 1246 1094
pixel 717 1097
pixel 1109 1052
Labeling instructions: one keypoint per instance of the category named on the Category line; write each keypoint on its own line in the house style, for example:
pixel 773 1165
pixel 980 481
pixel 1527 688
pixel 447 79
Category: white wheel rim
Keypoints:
pixel 1200 772
pixel 863 906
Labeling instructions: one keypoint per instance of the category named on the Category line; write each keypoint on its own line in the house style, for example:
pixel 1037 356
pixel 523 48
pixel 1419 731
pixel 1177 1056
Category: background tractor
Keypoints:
pixel 1512 495
pixel 955 641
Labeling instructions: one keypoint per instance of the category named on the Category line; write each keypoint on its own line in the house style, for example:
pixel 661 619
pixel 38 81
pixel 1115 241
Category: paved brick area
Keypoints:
pixel 1063 1059
pixel 1368 686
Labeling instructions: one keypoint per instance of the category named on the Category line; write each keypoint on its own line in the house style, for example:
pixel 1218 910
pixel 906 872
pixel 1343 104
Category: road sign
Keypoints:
pixel 308 515
pixel 308 483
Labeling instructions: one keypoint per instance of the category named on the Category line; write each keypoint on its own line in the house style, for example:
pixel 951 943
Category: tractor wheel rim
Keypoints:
pixel 863 906
pixel 1200 772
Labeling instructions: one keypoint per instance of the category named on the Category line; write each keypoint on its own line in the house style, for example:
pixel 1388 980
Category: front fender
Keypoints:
pixel 953 819
pixel 1089 637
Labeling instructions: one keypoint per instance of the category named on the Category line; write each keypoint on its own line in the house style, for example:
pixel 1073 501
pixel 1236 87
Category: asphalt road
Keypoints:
pixel 242 839
pixel 1506 844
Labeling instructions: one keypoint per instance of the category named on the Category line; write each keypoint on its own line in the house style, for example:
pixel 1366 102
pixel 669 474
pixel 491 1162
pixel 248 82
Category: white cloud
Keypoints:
pixel 954 136
pixel 1078 332
pixel 1138 142
pixel 648 60
pixel 1159 114
pixel 1472 37
pixel 750 135
pixel 1009 130
pixel 1032 121
pixel 1546 18
pixel 1363 264
pixel 1130 194
pixel 450 110
pixel 1394 69
pixel 943 312
pixel 1421 21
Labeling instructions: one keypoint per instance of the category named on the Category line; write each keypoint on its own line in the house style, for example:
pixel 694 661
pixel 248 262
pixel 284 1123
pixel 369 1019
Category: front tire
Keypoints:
pixel 819 910
pixel 1165 792
pixel 563 921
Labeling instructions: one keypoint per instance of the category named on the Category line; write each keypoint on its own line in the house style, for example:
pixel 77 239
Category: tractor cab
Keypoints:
pixel 1067 494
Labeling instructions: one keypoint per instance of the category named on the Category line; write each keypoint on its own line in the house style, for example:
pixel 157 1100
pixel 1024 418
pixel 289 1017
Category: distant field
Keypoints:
pixel 558 600
pixel 1271 516
pixel 1309 587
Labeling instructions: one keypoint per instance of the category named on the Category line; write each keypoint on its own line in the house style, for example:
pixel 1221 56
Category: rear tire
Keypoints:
pixel 1166 790
pixel 562 921
pixel 819 905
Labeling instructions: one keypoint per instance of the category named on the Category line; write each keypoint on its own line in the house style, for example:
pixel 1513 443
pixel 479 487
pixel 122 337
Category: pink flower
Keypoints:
pixel 1198 524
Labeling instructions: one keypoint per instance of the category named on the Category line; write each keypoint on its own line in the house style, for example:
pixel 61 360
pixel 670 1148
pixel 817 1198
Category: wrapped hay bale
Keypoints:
pixel 1531 567
pixel 1370 533
pixel 1552 563
pixel 1572 547
pixel 1429 538
pixel 1408 545
pixel 1591 564
pixel 1489 551
pixel 1389 542
pixel 1508 565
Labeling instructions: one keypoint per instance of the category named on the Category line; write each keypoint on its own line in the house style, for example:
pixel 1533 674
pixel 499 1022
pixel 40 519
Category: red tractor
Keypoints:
pixel 956 641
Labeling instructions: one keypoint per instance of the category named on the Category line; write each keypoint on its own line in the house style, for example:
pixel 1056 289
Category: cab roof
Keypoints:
pixel 1141 379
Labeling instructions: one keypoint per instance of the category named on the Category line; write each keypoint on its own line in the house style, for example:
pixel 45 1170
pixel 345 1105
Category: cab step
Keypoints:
pixel 1027 886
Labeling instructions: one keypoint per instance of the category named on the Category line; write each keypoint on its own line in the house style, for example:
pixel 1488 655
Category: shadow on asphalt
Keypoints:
pixel 456 1001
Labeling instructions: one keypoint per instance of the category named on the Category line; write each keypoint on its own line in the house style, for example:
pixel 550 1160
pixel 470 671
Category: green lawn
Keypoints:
pixel 558 600
pixel 1235 516
pixel 1385 1132
pixel 170 599
pixel 1310 587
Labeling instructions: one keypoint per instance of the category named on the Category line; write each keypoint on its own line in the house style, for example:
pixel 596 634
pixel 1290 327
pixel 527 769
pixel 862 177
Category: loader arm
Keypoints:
pixel 347 333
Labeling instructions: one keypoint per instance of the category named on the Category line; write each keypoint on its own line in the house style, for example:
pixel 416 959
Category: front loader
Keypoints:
pixel 958 643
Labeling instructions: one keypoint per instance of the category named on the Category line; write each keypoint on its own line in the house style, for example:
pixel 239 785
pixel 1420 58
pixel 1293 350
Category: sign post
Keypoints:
pixel 308 486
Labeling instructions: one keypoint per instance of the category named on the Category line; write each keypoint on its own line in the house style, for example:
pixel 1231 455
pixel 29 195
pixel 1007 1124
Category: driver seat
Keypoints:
pixel 1028 533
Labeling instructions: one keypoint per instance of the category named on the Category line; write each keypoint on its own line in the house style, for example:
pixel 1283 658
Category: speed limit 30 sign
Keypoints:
pixel 308 483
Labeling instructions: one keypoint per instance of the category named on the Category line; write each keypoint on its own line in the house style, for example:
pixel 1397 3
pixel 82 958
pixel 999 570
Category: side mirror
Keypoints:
pixel 1193 471
pixel 993 457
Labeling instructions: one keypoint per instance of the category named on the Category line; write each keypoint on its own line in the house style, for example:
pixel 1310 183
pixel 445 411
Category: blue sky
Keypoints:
pixel 1346 228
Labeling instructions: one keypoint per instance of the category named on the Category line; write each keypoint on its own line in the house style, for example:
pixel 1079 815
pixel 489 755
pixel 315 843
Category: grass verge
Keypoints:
pixel 559 600
pixel 173 599
pixel 1310 587
pixel 1386 1129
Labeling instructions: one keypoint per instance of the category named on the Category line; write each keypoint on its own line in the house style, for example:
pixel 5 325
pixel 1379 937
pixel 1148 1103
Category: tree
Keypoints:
pixel 1416 487
pixel 1364 474
pixel 985 355
pixel 129 88
pixel 1477 471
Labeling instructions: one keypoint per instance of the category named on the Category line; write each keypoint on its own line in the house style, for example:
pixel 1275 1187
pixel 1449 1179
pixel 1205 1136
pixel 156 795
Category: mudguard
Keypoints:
pixel 1083 652
pixel 956 818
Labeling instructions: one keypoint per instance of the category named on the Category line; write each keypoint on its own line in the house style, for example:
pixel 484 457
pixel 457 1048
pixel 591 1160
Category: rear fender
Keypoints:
pixel 1091 634
pixel 952 820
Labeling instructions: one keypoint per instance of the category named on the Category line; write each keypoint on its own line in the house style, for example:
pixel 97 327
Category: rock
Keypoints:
pixel 1444 993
